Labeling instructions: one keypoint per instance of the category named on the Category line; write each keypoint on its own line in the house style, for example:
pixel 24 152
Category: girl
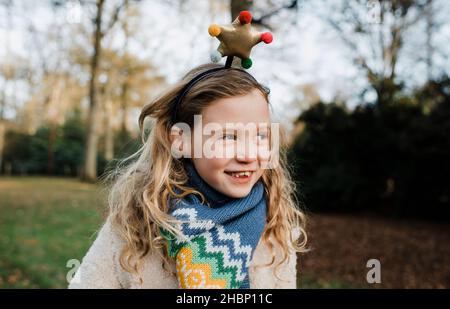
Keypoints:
pixel 178 219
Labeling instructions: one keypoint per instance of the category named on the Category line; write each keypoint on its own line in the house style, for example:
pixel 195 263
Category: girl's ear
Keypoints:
pixel 179 139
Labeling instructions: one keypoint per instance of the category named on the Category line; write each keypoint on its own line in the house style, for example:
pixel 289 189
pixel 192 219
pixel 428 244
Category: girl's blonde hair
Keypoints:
pixel 140 192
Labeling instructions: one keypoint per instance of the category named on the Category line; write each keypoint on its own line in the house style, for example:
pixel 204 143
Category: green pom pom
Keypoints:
pixel 246 63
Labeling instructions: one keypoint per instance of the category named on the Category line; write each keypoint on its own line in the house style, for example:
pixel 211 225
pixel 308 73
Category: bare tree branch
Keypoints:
pixel 260 20
pixel 114 17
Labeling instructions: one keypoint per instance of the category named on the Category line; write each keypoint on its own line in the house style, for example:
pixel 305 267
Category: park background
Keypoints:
pixel 361 87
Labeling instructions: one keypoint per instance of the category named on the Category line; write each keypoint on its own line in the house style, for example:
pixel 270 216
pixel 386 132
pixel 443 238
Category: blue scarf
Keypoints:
pixel 220 237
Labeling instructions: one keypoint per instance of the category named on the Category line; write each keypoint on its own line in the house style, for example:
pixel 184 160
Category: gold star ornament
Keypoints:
pixel 237 39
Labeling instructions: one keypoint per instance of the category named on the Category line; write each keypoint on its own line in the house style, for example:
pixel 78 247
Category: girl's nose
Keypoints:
pixel 247 152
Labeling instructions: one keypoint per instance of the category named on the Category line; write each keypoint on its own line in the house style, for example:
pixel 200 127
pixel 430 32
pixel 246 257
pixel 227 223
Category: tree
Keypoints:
pixel 54 90
pixel 378 25
pixel 127 84
pixel 90 156
pixel 6 73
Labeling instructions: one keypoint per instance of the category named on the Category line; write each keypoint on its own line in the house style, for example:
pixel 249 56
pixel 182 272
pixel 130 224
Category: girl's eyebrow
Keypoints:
pixel 265 127
pixel 233 129
pixel 228 130
pixel 259 130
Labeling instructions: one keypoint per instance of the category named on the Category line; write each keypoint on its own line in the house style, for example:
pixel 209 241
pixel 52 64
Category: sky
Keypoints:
pixel 304 51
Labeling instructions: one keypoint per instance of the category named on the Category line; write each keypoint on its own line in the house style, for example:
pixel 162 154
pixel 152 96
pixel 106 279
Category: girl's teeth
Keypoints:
pixel 241 174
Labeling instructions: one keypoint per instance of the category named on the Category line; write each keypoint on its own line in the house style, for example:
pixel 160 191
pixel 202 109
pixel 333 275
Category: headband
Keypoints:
pixel 237 40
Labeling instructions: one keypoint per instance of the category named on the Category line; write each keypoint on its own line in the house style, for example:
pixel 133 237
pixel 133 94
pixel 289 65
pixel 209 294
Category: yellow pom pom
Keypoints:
pixel 214 30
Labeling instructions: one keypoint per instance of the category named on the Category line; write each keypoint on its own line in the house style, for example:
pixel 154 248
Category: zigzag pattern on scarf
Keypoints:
pixel 213 249
pixel 218 240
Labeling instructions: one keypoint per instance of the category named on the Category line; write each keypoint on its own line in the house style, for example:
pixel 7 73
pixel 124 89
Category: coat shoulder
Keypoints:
pixel 98 266
pixel 275 276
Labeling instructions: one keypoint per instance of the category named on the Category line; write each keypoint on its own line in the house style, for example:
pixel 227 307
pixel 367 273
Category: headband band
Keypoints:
pixel 196 79
pixel 188 87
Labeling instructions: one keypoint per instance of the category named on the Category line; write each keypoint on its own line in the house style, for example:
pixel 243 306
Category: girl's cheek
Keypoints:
pixel 216 164
pixel 224 150
pixel 229 150
pixel 264 151
pixel 264 155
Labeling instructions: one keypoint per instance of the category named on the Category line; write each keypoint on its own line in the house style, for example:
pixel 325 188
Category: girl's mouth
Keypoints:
pixel 240 177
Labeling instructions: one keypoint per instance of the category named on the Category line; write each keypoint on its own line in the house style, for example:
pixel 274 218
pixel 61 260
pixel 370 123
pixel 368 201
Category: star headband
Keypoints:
pixel 236 40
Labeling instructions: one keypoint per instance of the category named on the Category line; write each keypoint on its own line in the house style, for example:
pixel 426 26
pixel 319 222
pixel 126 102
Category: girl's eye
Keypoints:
pixel 262 136
pixel 229 137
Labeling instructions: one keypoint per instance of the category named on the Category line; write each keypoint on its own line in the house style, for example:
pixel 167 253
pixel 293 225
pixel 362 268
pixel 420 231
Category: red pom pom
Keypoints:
pixel 245 17
pixel 267 37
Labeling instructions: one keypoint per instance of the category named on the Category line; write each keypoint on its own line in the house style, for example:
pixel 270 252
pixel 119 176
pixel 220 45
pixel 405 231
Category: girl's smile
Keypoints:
pixel 240 177
pixel 234 175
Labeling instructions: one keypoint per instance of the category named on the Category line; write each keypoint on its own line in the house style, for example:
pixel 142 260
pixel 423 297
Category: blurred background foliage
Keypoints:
pixel 390 159
pixel 362 87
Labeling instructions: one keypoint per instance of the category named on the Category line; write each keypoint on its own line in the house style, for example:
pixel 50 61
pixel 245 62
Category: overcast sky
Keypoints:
pixel 304 51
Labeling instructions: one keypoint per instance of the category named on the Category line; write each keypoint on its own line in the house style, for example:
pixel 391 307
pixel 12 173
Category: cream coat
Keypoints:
pixel 100 268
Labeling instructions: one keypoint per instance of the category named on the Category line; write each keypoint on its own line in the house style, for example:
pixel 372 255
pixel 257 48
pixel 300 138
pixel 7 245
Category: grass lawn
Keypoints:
pixel 44 222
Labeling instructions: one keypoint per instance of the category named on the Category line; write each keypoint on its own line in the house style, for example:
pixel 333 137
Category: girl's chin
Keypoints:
pixel 237 191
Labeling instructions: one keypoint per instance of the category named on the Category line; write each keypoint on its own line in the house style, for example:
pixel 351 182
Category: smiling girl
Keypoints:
pixel 219 217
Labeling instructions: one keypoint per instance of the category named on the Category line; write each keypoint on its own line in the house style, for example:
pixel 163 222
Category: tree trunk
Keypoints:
pixel 429 40
pixel 51 148
pixel 2 142
pixel 2 126
pixel 90 155
pixel 109 134
pixel 124 100
pixel 90 165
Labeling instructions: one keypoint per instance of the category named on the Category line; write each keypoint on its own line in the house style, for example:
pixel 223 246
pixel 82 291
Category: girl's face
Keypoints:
pixel 237 144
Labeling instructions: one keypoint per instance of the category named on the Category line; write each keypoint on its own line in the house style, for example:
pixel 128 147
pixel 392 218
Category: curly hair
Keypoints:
pixel 144 182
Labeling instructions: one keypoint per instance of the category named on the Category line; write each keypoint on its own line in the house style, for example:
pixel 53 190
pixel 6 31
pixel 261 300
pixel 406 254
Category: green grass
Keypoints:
pixel 44 222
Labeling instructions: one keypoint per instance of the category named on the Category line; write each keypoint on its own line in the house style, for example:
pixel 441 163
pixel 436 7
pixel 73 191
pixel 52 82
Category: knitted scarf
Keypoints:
pixel 220 238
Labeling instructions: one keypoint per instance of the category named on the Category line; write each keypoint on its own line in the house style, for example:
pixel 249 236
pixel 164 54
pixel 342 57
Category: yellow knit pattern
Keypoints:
pixel 195 276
